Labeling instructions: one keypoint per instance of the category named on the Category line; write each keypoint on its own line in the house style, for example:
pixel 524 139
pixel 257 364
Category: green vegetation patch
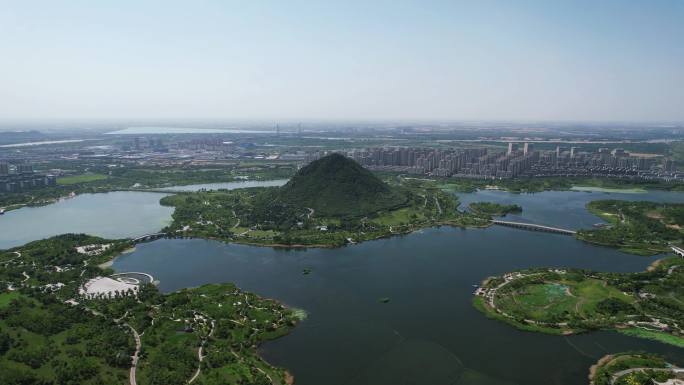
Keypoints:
pixel 338 186
pixel 630 368
pixel 7 298
pixel 46 341
pixel 654 335
pixel 50 333
pixel 644 228
pixel 646 304
pixel 494 209
pixel 259 216
pixel 82 178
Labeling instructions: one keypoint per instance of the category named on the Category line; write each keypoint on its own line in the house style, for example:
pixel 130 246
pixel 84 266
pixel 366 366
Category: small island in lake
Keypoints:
pixel 493 209
pixel 567 301
pixel 331 202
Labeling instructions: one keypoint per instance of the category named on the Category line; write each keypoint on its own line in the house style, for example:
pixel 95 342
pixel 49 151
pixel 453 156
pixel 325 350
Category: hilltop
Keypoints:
pixel 338 186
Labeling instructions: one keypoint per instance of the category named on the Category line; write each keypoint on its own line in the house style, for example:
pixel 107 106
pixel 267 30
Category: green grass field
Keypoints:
pixel 83 178
pixel 553 301
pixel 399 217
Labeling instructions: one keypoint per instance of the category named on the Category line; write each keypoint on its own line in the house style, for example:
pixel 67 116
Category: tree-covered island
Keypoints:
pixel 331 202
pixel 494 209
pixel 566 301
pixel 64 320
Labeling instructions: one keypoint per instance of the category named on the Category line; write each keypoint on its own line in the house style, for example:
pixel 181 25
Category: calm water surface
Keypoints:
pixel 110 215
pixel 428 333
pixel 561 208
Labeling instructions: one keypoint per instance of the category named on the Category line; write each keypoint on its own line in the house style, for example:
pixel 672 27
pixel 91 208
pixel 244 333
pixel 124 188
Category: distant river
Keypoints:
pixel 228 185
pixel 111 215
pixel 428 333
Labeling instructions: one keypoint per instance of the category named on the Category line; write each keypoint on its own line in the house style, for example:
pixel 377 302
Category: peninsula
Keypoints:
pixel 64 320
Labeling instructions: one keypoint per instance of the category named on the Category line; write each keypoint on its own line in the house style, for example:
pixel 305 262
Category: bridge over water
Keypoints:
pixel 533 227
pixel 148 237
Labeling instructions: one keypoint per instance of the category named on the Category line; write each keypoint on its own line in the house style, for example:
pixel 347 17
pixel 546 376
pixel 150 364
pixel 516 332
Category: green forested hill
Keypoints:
pixel 338 186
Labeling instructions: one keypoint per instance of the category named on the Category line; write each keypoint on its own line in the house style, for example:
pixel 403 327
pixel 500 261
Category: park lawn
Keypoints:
pixel 82 178
pixel 480 305
pixel 548 301
pixel 399 217
pixel 593 291
pixel 540 302
pixel 268 234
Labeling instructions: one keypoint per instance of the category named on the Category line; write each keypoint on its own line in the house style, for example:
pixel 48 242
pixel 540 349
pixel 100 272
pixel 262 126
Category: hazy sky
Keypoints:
pixel 544 60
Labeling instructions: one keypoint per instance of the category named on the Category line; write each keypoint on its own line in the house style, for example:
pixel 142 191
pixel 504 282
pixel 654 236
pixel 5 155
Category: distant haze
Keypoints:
pixel 500 60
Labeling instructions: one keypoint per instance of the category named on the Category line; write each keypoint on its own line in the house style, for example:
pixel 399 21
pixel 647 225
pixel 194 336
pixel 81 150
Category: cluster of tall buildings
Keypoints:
pixel 22 177
pixel 517 160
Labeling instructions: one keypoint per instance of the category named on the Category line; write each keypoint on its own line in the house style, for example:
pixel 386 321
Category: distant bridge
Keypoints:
pixel 148 237
pixel 533 227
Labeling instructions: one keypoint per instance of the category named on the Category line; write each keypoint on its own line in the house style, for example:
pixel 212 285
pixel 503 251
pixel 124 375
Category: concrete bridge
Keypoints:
pixel 148 237
pixel 677 250
pixel 533 227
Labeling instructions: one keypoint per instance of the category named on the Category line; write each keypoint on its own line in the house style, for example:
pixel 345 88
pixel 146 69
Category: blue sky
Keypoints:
pixel 352 60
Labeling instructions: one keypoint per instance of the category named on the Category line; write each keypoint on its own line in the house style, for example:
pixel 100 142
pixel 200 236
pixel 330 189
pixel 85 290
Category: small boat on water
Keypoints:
pixel 2 211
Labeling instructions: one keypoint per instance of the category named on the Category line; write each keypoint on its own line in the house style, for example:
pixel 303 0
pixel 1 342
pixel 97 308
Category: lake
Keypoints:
pixel 428 333
pixel 120 214
pixel 561 208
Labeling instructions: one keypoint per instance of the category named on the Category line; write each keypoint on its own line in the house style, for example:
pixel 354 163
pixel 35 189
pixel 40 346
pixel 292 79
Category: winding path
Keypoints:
pixel 200 357
pixel 134 361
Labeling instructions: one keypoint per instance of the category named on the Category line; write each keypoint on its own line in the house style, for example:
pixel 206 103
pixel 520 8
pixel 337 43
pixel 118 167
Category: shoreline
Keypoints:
pixel 109 263
pixel 332 246
pixel 484 303
pixel 593 368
